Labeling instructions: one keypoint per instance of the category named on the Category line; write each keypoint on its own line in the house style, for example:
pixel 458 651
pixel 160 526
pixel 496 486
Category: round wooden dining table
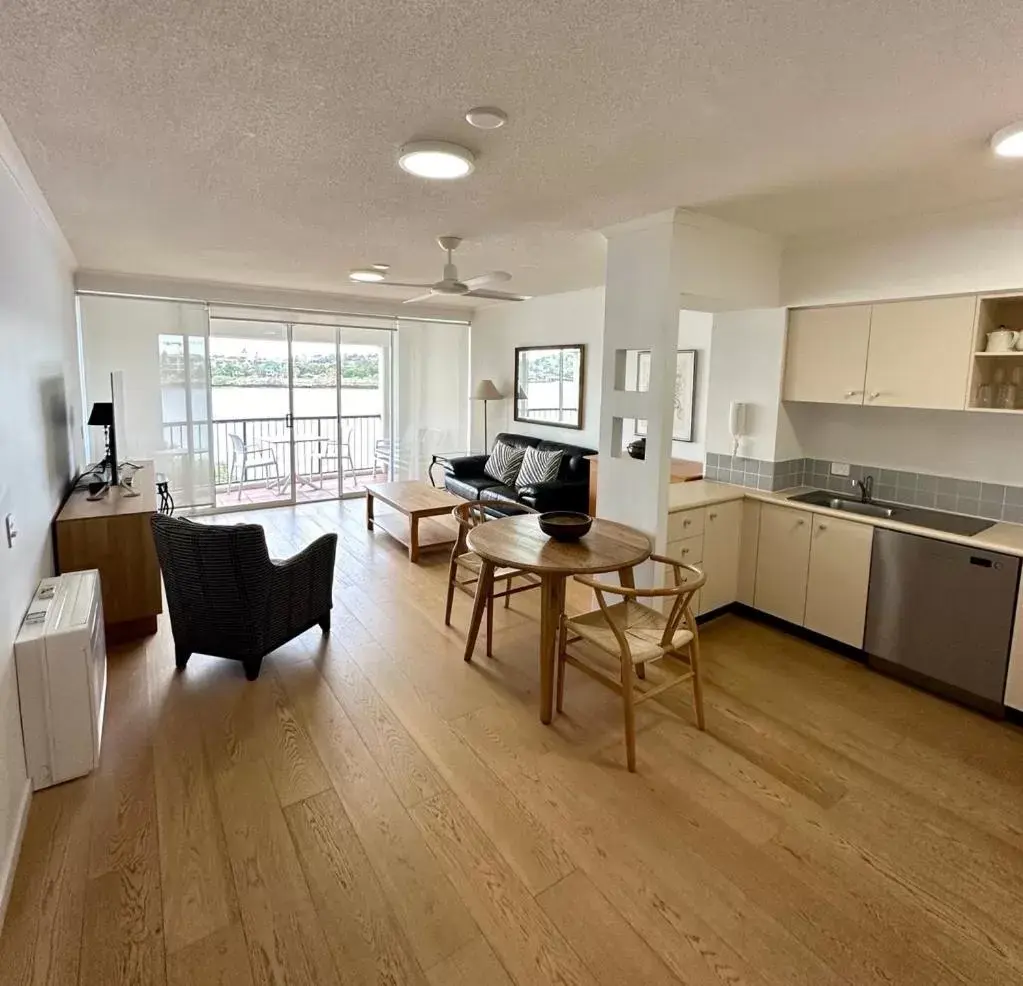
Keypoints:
pixel 518 542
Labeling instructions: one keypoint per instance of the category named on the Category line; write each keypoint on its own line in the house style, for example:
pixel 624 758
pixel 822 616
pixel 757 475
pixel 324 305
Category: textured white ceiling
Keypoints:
pixel 254 142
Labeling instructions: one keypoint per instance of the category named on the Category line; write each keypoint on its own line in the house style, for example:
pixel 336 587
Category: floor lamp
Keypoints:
pixel 486 391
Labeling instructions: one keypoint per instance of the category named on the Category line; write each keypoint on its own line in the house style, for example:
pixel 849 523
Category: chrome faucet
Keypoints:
pixel 866 487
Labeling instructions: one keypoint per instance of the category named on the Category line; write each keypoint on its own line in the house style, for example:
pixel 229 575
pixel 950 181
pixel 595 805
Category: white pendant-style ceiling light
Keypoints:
pixel 367 275
pixel 436 159
pixel 1008 142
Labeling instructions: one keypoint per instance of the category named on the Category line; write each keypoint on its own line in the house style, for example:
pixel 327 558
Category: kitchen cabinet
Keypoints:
pixel 748 538
pixel 690 552
pixel 783 561
pixel 1014 677
pixel 826 354
pixel 890 354
pixel 721 545
pixel 711 542
pixel 920 353
pixel 836 590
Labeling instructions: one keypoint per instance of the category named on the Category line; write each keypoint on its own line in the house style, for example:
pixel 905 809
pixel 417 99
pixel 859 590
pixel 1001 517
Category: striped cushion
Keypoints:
pixel 503 464
pixel 539 467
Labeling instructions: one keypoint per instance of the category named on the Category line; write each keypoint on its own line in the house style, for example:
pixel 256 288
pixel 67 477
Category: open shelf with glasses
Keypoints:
pixel 996 377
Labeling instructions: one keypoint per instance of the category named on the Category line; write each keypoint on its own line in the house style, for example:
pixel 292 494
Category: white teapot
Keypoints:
pixel 1002 340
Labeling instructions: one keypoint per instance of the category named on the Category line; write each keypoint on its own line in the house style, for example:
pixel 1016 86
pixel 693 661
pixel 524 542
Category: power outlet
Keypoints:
pixel 839 468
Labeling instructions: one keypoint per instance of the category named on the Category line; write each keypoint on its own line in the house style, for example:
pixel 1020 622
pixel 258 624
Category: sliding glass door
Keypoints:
pixel 301 411
pixel 366 360
pixel 321 451
pixel 250 392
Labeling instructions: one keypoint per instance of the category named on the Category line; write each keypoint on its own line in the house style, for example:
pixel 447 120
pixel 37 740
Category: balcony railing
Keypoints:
pixel 356 444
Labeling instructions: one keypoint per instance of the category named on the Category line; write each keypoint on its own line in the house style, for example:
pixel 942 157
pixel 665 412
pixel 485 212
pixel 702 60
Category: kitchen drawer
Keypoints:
pixel 685 524
pixel 688 550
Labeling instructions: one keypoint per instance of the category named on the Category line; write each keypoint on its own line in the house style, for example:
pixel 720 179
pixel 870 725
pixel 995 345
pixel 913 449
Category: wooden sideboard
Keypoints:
pixel 112 534
pixel 682 471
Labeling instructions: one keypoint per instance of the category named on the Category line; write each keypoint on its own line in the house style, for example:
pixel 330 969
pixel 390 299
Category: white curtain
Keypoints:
pixel 432 393
pixel 161 347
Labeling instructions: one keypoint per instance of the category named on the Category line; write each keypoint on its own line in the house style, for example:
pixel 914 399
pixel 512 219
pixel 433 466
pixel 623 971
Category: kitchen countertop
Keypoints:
pixel 1001 536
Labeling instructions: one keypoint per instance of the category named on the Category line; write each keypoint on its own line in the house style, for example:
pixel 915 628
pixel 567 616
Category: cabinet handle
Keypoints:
pixel 800 523
pixel 853 393
pixel 686 523
pixel 822 527
pixel 713 517
pixel 874 395
pixel 685 551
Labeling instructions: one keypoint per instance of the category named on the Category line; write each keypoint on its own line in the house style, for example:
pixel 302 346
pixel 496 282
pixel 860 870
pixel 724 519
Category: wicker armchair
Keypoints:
pixel 226 597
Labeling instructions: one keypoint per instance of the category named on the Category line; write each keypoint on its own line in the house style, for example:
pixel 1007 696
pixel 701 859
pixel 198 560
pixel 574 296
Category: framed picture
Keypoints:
pixel 685 392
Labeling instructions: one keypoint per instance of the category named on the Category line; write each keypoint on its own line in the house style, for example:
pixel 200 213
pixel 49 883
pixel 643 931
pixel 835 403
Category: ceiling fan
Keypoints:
pixel 471 287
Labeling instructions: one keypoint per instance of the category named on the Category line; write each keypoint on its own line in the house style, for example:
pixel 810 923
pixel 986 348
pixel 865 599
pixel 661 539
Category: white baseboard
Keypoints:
pixel 10 863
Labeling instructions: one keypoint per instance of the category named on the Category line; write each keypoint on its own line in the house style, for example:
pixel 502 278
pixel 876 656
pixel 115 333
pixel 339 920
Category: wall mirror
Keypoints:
pixel 549 385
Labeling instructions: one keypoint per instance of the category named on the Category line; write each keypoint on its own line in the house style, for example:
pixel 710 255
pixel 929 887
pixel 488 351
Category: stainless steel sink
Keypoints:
pixel 856 507
pixel 937 520
pixel 823 498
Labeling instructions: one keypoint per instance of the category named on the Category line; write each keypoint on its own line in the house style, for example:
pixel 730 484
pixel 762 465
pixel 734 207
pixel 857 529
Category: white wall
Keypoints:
pixel 983 447
pixel 37 339
pixel 572 317
pixel 747 355
pixel 976 250
pixel 720 264
pixel 694 332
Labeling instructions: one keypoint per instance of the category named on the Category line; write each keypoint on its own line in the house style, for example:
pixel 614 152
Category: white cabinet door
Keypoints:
pixel 1014 679
pixel 920 353
pixel 826 354
pixel 748 551
pixel 783 559
pixel 836 591
pixel 721 539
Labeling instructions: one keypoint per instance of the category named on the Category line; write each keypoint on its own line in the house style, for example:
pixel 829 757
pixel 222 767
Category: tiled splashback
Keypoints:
pixel 757 474
pixel 962 496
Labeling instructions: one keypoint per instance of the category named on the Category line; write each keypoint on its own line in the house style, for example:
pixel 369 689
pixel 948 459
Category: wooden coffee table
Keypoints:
pixel 415 501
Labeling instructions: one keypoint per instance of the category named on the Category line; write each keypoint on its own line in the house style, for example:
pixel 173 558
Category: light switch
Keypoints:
pixel 839 468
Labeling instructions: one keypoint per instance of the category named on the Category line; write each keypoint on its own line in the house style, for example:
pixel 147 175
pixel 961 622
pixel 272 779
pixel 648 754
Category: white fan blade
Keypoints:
pixel 498 295
pixel 494 277
pixel 419 297
pixel 400 284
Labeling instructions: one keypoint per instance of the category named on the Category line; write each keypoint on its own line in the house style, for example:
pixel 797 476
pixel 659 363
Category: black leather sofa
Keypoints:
pixel 570 491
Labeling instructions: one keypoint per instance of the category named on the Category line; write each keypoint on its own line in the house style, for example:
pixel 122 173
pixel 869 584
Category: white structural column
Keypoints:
pixel 655 266
pixel 641 305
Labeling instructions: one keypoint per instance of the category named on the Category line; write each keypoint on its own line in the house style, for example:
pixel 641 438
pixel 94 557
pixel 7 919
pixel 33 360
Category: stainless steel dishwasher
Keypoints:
pixel 941 615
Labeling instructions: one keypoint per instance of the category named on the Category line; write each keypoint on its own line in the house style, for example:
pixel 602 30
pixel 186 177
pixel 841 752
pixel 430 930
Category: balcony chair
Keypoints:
pixel 467 563
pixel 248 457
pixel 227 598
pixel 382 452
pixel 635 634
pixel 329 453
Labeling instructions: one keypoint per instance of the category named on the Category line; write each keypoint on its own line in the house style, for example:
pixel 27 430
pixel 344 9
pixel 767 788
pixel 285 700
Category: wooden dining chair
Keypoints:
pixel 464 566
pixel 636 634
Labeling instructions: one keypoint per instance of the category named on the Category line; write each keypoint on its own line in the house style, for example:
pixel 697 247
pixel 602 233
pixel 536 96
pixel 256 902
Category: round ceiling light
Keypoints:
pixel 436 159
pixel 486 117
pixel 366 274
pixel 1008 142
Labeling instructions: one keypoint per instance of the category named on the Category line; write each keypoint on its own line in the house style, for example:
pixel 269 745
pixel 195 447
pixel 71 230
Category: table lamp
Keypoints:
pixel 486 391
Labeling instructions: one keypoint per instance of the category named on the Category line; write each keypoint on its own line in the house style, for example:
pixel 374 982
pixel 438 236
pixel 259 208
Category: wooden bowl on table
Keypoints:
pixel 565 525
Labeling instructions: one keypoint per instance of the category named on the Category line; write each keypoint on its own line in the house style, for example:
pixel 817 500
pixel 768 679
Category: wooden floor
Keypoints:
pixel 374 811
